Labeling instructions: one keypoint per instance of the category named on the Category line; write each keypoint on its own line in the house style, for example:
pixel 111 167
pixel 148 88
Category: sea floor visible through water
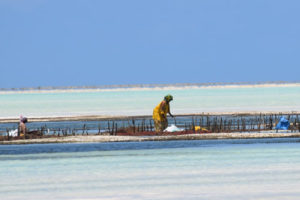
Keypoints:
pixel 141 101
pixel 199 169
pixel 265 168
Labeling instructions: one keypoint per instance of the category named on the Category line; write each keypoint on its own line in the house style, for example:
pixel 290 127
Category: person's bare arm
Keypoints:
pixel 170 112
pixel 162 107
pixel 23 128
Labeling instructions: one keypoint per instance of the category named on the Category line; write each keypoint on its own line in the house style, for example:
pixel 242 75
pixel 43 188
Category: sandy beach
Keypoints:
pixel 209 136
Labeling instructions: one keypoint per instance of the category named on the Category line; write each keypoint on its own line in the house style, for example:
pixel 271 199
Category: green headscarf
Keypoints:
pixel 168 98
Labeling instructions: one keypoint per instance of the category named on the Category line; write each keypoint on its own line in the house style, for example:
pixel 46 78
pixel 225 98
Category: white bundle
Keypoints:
pixel 173 128
pixel 13 133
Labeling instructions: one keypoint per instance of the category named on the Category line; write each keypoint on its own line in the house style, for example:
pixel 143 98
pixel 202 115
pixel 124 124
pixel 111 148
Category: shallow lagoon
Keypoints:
pixel 206 169
pixel 123 102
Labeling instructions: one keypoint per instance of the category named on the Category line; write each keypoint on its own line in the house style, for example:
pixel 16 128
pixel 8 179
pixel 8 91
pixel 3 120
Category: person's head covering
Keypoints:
pixel 168 98
pixel 24 119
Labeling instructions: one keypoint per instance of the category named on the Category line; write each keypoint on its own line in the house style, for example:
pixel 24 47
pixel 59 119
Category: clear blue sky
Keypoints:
pixel 104 42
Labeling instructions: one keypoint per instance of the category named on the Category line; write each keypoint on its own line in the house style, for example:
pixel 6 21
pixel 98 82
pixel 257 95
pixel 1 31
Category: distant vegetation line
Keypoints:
pixel 146 85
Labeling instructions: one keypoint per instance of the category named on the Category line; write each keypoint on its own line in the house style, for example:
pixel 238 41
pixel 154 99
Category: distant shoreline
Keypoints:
pixel 148 87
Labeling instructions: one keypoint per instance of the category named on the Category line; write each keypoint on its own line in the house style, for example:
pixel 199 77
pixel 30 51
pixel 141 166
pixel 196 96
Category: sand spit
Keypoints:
pixel 147 87
pixel 100 138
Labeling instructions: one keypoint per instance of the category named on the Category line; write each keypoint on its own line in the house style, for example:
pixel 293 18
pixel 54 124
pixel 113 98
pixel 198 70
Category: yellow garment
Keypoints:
pixel 160 125
pixel 160 114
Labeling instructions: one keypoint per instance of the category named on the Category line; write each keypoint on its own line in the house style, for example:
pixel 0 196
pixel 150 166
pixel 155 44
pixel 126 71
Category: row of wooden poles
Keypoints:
pixel 112 128
pixel 245 123
pixel 212 123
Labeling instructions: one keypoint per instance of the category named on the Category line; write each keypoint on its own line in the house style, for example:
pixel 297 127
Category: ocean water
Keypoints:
pixel 205 169
pixel 129 102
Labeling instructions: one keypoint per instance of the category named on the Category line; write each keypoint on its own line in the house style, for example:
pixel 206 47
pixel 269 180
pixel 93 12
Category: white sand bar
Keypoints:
pixel 100 138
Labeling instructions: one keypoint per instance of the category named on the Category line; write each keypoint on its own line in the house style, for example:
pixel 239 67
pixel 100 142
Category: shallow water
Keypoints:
pixel 206 169
pixel 142 101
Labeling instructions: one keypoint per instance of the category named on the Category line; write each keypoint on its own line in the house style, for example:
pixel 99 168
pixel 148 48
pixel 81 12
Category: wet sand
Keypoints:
pixel 102 138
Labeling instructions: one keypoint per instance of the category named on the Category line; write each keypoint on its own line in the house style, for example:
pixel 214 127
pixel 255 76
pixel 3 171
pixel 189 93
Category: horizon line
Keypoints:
pixel 128 86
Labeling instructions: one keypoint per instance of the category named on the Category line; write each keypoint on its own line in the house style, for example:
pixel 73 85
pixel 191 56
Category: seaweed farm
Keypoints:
pixel 142 126
pixel 127 111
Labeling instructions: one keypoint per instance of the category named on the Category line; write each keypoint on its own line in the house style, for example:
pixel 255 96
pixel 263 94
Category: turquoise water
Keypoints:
pixel 213 169
pixel 142 101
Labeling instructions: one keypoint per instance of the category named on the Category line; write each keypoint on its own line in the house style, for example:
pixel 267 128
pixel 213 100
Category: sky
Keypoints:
pixel 109 42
